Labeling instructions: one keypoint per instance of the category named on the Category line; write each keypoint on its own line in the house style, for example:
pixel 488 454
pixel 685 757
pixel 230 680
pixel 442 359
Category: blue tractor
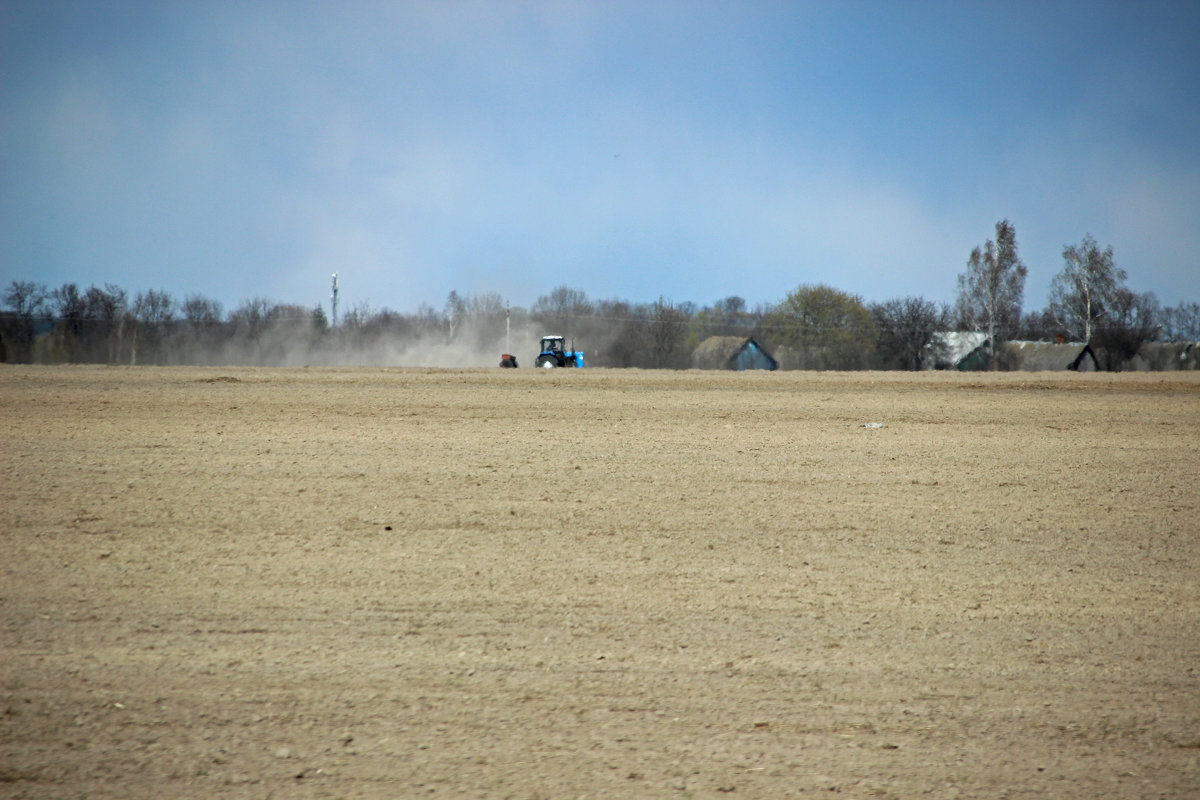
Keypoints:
pixel 555 354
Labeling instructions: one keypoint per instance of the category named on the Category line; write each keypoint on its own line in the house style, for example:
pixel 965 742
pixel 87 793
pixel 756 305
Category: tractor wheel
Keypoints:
pixel 547 362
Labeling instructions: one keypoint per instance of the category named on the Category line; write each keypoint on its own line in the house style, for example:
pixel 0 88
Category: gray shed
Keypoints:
pixel 732 352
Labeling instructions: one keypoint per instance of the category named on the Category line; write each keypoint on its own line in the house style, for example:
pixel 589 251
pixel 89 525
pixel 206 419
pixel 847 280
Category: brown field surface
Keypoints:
pixel 394 583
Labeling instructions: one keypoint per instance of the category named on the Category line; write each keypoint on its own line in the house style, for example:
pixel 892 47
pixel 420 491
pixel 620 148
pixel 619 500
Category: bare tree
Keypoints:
pixel 733 315
pixel 906 332
pixel 249 318
pixel 357 316
pixel 991 290
pixel 559 311
pixel 199 310
pixel 26 300
pixel 726 317
pixel 1040 326
pixel 455 313
pixel 1181 323
pixel 477 319
pixel 427 320
pixel 67 302
pixel 247 327
pixel 153 311
pixel 486 315
pixel 1130 320
pixel 153 307
pixel 205 329
pixel 101 323
pixel 666 326
pixel 1087 285
pixel 624 345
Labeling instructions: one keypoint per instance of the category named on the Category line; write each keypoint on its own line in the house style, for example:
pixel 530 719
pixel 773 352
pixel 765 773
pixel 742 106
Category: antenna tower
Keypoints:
pixel 333 297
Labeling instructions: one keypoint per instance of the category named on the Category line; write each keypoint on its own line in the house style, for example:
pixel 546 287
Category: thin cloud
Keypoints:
pixel 678 150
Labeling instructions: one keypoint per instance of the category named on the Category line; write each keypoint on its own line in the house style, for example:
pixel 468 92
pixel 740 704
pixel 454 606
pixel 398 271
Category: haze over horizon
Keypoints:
pixel 690 150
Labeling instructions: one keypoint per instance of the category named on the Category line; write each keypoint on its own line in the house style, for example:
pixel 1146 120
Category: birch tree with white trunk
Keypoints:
pixel 1084 291
pixel 991 290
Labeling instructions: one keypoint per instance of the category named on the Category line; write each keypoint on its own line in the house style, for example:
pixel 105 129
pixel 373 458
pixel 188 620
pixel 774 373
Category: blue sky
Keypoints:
pixel 690 150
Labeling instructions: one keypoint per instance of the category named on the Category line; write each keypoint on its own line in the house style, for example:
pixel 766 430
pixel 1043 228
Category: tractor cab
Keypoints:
pixel 554 353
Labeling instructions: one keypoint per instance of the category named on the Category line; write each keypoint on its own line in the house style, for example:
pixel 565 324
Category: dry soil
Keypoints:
pixel 392 583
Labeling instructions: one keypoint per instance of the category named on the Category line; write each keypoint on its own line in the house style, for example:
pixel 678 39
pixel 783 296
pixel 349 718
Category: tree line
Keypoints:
pixel 813 327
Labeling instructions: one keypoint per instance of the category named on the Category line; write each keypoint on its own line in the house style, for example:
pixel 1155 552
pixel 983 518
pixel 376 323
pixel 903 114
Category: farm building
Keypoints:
pixel 1167 356
pixel 1042 356
pixel 966 352
pixel 959 350
pixel 732 352
pixel 1150 356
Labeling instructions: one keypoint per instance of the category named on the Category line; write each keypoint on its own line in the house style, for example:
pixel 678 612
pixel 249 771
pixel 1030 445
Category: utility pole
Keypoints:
pixel 507 329
pixel 333 297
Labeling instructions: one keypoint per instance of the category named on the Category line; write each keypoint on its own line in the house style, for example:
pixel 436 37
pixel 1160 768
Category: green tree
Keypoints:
pixel 991 290
pixel 823 328
pixel 1085 289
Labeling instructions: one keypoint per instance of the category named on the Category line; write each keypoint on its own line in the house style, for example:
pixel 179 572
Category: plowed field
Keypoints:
pixel 601 583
